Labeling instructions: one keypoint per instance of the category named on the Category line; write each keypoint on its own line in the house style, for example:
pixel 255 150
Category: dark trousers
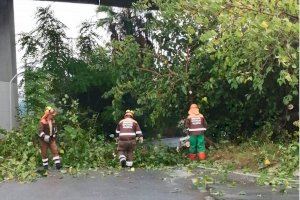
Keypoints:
pixel 53 148
pixel 126 148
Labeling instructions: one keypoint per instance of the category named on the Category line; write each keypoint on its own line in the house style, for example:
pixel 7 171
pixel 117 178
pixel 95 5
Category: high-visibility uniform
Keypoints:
pixel 196 126
pixel 48 129
pixel 127 130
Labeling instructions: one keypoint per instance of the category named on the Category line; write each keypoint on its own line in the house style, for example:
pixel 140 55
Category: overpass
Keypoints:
pixel 8 107
pixel 117 3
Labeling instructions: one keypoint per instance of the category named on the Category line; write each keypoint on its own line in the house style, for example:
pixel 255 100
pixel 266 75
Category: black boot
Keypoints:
pixel 123 163
pixel 58 166
pixel 45 167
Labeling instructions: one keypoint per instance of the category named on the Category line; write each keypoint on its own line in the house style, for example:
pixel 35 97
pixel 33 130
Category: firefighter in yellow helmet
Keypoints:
pixel 127 131
pixel 47 136
pixel 196 126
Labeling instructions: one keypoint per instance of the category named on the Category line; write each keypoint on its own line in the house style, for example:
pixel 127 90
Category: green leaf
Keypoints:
pixel 264 24
pixel 287 99
pixel 183 89
pixel 204 99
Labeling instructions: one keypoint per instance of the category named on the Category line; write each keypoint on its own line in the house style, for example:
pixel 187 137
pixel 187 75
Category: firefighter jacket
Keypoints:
pixel 128 129
pixel 44 129
pixel 196 124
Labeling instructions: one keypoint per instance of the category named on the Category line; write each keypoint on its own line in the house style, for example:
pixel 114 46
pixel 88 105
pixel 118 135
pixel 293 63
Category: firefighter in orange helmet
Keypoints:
pixel 47 137
pixel 196 126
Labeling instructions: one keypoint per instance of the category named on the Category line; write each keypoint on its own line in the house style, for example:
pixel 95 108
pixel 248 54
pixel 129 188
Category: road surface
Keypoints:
pixel 127 185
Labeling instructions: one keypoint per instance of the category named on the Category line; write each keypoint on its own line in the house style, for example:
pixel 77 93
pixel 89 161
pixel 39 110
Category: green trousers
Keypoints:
pixel 197 143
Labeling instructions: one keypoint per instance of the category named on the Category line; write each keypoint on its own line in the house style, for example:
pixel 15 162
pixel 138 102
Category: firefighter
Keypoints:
pixel 47 137
pixel 196 126
pixel 127 132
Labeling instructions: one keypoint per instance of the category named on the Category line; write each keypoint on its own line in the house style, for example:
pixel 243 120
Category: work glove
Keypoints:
pixel 141 140
pixel 55 130
pixel 47 138
pixel 186 131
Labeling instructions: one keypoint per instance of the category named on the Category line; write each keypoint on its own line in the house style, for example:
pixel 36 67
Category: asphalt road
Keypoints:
pixel 137 185
pixel 141 184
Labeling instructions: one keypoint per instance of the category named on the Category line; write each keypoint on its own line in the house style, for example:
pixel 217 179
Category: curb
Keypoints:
pixel 249 177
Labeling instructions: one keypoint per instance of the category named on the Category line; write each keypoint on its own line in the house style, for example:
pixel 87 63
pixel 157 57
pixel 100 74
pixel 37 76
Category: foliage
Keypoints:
pixel 157 156
pixel 53 68
pixel 282 159
pixel 46 46
pixel 237 59
pixel 19 154
pixel 79 148
pixel 37 89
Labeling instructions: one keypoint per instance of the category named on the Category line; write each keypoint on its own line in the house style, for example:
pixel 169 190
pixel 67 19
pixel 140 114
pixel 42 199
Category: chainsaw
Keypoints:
pixel 184 142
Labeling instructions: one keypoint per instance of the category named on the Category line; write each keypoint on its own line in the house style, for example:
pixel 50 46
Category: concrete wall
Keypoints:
pixel 7 61
pixel 4 105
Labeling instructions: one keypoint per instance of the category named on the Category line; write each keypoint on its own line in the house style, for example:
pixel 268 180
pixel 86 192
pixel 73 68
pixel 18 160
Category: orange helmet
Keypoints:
pixel 194 110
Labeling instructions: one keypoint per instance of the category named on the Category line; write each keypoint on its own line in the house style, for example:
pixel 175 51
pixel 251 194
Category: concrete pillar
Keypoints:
pixel 7 64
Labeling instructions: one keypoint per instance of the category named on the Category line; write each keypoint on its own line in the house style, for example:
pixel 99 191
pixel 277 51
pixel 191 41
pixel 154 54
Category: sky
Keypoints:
pixel 71 14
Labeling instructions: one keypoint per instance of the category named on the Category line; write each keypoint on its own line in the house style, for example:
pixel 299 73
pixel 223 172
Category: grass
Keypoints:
pixel 274 163
pixel 247 156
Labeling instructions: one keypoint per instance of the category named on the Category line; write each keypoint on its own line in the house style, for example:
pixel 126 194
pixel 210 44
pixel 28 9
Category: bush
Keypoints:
pixel 79 148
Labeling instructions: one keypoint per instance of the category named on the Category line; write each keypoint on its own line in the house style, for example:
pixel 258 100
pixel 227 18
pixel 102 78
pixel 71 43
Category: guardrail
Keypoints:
pixel 10 99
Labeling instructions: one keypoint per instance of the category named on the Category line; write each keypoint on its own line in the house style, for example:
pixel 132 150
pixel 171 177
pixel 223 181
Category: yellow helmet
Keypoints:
pixel 129 113
pixel 49 110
